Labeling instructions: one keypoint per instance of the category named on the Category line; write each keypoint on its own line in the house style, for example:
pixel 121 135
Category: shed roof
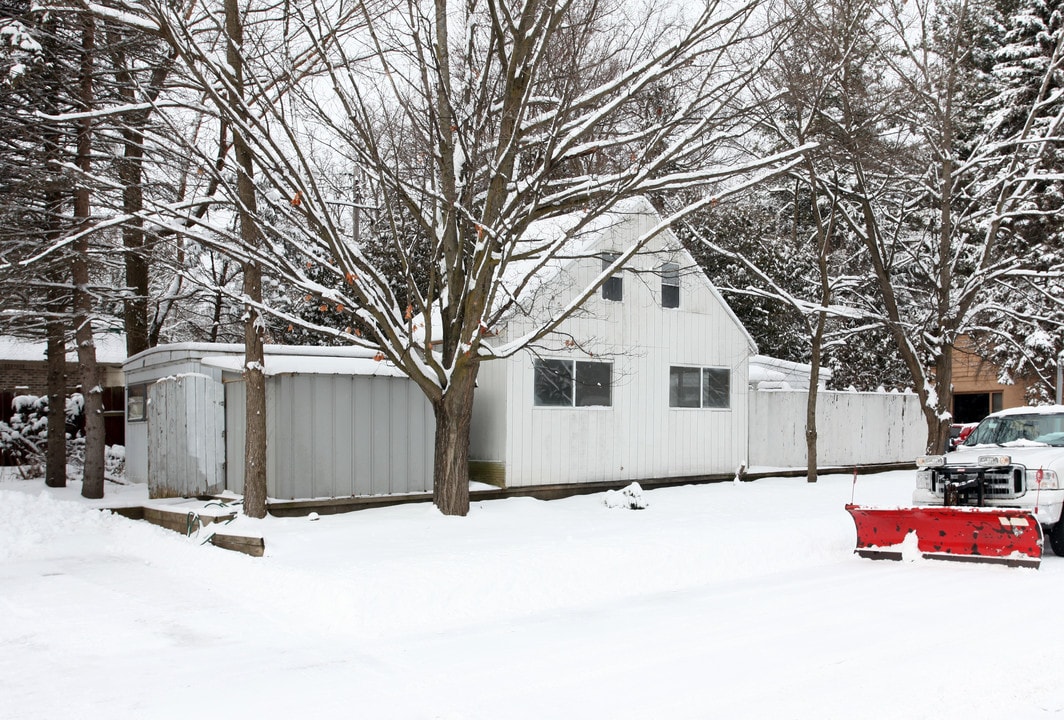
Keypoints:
pixel 308 365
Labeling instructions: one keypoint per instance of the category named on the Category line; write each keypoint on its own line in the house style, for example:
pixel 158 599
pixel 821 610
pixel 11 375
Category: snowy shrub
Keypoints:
pixel 630 497
pixel 114 461
pixel 24 439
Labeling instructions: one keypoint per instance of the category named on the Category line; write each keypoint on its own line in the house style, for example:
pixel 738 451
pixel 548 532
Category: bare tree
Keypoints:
pixel 472 121
pixel 935 260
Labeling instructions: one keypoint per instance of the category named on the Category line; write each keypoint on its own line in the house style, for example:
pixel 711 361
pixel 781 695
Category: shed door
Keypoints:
pixel 186 439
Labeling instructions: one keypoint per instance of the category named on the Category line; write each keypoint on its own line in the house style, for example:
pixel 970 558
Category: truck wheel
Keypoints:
pixel 1056 538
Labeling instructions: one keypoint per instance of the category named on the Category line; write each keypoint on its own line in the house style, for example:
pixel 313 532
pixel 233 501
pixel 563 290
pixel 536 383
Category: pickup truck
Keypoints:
pixel 1013 459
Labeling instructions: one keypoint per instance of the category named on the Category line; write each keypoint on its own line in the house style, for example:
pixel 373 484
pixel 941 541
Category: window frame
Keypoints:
pixel 573 381
pixel 139 390
pixel 613 289
pixel 680 400
pixel 670 285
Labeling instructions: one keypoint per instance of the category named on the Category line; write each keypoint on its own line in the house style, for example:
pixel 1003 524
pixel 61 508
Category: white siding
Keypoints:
pixel 639 436
pixel 488 430
pixel 852 428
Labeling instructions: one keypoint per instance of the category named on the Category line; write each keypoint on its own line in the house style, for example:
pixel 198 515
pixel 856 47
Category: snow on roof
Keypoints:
pixel 765 369
pixel 110 349
pixel 289 364
pixel 280 359
pixel 1030 410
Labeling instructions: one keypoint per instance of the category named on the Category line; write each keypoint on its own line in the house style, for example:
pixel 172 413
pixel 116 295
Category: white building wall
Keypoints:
pixel 852 428
pixel 487 433
pixel 639 436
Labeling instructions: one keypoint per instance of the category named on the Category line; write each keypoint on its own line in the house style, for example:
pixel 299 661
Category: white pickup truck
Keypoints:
pixel 1013 459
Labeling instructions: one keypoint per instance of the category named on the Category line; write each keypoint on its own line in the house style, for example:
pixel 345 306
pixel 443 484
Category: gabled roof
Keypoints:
pixel 589 242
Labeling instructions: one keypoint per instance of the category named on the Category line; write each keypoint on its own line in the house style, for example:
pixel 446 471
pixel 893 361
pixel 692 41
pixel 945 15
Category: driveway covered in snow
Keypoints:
pixel 717 601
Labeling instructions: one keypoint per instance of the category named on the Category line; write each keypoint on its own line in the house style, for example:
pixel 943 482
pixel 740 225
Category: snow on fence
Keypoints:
pixel 853 428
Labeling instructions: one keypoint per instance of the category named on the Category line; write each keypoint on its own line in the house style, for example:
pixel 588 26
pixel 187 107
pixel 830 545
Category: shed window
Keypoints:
pixel 694 387
pixel 613 288
pixel 569 383
pixel 136 397
pixel 670 285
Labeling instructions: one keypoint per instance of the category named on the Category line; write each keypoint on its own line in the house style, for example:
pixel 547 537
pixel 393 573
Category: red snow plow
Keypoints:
pixel 1006 536
pixel 990 500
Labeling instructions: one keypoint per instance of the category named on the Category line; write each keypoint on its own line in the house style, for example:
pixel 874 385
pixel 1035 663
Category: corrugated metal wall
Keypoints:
pixel 186 453
pixel 337 436
pixel 852 428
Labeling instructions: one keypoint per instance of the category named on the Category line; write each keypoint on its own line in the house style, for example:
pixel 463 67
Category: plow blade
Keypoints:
pixel 994 535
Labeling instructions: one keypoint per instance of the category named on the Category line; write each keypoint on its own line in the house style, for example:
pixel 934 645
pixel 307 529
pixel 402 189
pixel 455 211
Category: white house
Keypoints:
pixel 648 381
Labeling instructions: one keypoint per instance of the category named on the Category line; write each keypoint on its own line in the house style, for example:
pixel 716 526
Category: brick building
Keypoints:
pixel 24 371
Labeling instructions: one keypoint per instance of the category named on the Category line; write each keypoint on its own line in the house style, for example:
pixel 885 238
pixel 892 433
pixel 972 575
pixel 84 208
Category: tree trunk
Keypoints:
pixel 135 305
pixel 55 465
pixel 454 412
pixel 255 405
pixel 57 308
pixel 937 415
pixel 811 435
pixel 823 237
pixel 92 485
pixel 254 369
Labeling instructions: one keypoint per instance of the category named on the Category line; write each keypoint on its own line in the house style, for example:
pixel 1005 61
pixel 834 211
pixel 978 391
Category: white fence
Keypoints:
pixel 852 428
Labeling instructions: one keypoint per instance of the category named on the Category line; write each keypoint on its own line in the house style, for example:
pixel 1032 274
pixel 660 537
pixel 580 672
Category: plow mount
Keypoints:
pixel 973 534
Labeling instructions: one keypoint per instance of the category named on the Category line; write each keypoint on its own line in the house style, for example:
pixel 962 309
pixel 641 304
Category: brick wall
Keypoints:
pixel 23 376
pixel 28 377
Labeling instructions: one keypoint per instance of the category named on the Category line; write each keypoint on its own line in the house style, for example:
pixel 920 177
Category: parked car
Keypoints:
pixel 958 433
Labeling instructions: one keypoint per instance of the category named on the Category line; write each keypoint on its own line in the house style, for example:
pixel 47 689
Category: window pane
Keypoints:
pixel 613 288
pixel 684 387
pixel 716 388
pixel 135 403
pixel 670 296
pixel 553 382
pixel 670 285
pixel 593 380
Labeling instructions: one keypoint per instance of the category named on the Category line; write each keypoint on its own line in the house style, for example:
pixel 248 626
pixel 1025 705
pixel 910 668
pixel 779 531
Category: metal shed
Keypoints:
pixel 339 423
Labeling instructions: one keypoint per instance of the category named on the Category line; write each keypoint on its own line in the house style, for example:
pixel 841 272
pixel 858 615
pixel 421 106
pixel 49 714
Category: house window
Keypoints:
pixel 694 387
pixel 670 285
pixel 573 383
pixel 613 288
pixel 135 403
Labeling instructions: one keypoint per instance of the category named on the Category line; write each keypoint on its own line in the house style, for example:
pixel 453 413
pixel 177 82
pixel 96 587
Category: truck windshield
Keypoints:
pixel 1040 428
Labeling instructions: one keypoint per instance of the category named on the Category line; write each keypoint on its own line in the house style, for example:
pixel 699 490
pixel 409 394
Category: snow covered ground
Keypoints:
pixel 717 601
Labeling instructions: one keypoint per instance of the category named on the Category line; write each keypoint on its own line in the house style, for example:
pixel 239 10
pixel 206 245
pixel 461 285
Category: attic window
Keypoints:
pixel 670 285
pixel 569 383
pixel 612 289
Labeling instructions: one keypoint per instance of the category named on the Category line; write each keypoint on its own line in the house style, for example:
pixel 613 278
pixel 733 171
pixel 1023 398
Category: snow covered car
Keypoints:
pixel 958 433
pixel 1013 459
